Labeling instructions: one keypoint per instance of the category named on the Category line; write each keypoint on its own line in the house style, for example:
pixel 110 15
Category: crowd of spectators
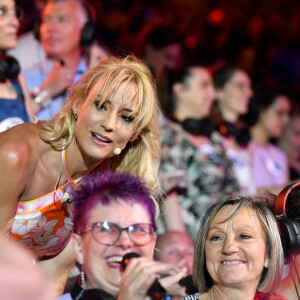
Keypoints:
pixel 226 77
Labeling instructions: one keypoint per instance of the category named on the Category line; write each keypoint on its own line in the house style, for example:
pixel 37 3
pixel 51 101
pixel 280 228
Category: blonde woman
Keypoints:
pixel 109 122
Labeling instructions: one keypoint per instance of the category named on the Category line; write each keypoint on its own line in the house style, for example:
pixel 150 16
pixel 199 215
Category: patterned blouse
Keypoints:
pixel 201 176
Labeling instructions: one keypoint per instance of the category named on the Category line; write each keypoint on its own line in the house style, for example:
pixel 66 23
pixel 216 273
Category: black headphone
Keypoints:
pixel 88 29
pixel 197 127
pixel 9 67
pixel 227 129
pixel 289 228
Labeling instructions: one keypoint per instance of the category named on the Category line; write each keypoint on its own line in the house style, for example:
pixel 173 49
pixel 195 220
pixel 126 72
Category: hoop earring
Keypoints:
pixel 75 116
pixel 82 277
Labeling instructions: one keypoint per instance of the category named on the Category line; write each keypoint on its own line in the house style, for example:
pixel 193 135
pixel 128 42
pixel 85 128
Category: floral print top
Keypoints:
pixel 201 175
pixel 44 225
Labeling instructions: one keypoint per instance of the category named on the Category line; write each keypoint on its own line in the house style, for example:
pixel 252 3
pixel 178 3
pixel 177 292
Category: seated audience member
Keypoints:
pixel 289 142
pixel 194 171
pixel 174 246
pixel 102 47
pixel 162 52
pixel 14 97
pixel 234 91
pixel 289 225
pixel 62 34
pixel 110 123
pixel 238 252
pixel 29 51
pixel 21 279
pixel 114 214
pixel 270 111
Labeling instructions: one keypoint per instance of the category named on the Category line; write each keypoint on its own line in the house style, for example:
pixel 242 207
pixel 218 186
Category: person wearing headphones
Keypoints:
pixel 194 171
pixel 65 28
pixel 14 96
pixel 287 212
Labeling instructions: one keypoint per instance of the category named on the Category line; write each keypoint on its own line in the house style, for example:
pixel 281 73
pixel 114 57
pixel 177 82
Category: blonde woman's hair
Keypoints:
pixel 140 157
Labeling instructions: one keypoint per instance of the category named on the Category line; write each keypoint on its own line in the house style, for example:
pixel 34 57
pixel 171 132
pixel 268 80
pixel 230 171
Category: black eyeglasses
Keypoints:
pixel 108 233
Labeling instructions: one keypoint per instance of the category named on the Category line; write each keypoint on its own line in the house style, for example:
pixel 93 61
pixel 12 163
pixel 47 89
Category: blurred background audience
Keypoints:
pixel 173 246
pixel 14 97
pixel 195 171
pixel 234 91
pixel 270 113
pixel 289 142
pixel 251 48
pixel 66 27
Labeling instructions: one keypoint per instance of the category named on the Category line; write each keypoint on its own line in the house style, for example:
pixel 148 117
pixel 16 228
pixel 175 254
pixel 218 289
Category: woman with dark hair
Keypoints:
pixel 270 113
pixel 289 142
pixel 234 91
pixel 194 171
pixel 14 96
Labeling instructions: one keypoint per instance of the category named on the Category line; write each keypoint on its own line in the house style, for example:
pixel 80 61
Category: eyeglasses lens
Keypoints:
pixel 108 233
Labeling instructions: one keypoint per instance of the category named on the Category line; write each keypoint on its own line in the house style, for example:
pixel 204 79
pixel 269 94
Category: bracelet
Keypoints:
pixel 40 97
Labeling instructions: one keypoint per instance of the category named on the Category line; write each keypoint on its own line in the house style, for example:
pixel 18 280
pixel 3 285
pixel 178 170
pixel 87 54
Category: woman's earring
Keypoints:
pixel 82 277
pixel 75 116
pixel 266 263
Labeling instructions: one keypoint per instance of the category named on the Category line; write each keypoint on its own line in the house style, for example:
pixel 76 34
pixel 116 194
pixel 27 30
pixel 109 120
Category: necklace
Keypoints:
pixel 57 181
pixel 65 195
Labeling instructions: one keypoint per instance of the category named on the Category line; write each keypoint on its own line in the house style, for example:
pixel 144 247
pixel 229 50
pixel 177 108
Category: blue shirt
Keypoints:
pixel 38 74
pixel 13 111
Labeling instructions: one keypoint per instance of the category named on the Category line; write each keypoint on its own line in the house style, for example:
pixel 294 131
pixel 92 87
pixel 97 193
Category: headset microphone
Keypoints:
pixel 156 291
pixel 117 151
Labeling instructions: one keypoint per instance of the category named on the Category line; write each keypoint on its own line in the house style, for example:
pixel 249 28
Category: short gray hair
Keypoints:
pixel 270 276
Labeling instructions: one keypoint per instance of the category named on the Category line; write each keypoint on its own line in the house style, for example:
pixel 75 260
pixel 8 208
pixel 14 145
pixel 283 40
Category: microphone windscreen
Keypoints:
pixel 126 258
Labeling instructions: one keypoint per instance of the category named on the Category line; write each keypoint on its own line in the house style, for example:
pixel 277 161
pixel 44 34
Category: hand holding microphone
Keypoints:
pixel 140 278
pixel 156 291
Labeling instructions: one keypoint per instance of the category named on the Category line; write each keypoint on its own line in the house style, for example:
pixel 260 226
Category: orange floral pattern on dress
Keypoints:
pixel 44 225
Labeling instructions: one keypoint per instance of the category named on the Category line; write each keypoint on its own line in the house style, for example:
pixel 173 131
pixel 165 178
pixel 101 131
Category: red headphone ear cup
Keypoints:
pixel 289 228
pixel 290 235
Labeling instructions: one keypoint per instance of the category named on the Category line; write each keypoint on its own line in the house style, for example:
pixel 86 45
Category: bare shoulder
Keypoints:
pixel 18 160
pixel 19 146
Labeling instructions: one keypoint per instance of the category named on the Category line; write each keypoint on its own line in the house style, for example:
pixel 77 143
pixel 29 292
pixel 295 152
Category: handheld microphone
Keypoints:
pixel 156 291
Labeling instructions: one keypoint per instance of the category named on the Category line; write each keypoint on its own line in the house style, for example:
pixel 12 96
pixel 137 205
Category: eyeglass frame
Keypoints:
pixel 91 228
